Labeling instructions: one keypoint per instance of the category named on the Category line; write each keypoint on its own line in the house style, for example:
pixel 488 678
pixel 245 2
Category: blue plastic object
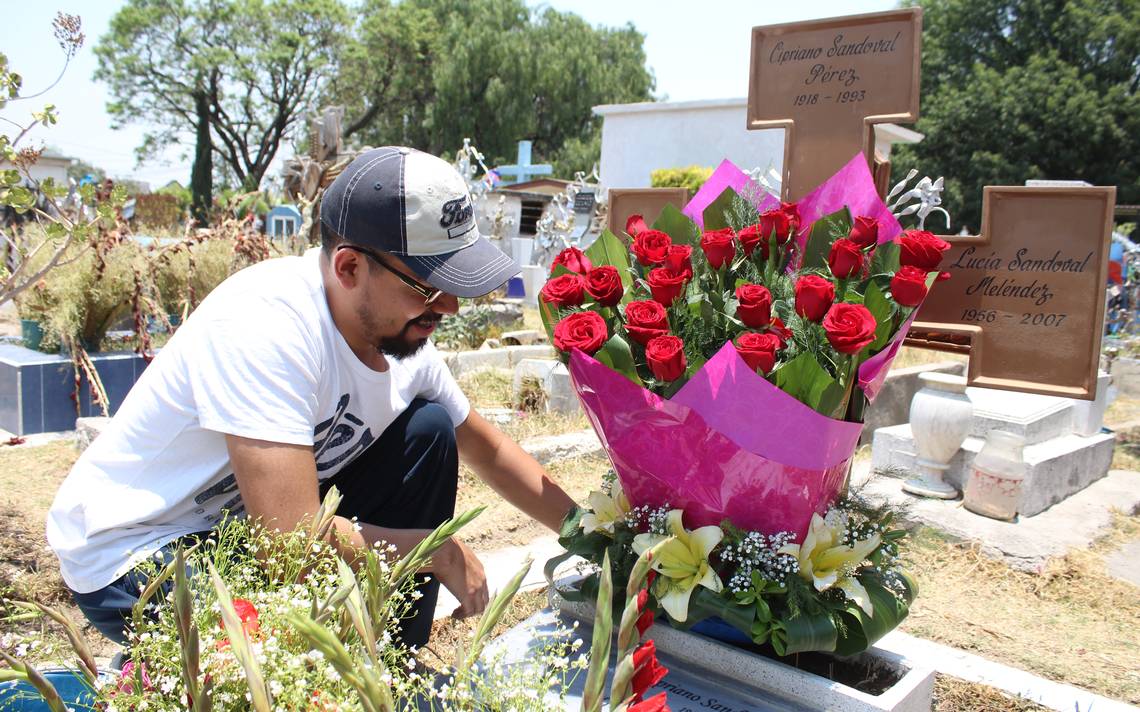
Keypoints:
pixel 515 288
pixel 717 629
pixel 19 696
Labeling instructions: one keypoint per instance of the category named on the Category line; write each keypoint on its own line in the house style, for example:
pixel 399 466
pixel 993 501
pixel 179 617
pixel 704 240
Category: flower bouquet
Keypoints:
pixel 725 367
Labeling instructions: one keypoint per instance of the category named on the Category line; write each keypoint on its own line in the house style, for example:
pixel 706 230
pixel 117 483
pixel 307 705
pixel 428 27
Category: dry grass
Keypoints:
pixel 909 356
pixel 448 634
pixel 1073 623
pixel 954 695
pixel 487 388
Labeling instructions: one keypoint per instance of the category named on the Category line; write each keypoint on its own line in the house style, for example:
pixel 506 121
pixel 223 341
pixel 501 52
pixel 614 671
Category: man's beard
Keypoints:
pixel 401 345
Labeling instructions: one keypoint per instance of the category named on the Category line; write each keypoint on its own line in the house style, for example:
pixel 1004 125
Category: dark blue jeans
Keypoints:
pixel 405 480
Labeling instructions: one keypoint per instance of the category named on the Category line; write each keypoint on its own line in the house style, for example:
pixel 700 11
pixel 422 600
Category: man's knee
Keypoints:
pixel 429 426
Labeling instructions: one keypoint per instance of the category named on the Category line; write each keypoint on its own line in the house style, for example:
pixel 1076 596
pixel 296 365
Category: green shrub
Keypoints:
pixel 691 177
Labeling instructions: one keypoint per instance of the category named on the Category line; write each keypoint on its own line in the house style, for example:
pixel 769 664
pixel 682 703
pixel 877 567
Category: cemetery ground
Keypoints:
pixel 1072 622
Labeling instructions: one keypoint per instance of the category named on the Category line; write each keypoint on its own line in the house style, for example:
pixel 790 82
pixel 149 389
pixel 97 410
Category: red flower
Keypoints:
pixel 645 617
pixel 666 286
pixel 678 259
pixel 581 330
pixel 792 213
pixel 645 320
pixel 247 613
pixel 647 671
pixel 758 350
pixel 846 259
pixel 657 703
pixel 922 249
pixel 908 286
pixel 865 232
pixel 635 225
pixel 666 357
pixel 650 247
pixel 718 246
pixel 567 290
pixel 850 327
pixel 604 285
pixel 814 296
pixel 574 260
pixel 776 221
pixel 778 328
pixel 755 308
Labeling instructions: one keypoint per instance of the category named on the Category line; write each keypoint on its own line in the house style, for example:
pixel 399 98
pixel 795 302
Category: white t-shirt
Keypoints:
pixel 259 358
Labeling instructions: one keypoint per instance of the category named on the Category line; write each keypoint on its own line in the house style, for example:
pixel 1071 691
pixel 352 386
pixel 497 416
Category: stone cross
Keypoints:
pixel 828 82
pixel 1026 297
pixel 523 169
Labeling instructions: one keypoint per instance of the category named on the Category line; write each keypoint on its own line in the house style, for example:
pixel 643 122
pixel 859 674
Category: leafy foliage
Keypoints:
pixel 1021 89
pixel 691 177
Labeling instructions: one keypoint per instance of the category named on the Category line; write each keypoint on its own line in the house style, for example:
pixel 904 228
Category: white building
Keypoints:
pixel 51 164
pixel 640 138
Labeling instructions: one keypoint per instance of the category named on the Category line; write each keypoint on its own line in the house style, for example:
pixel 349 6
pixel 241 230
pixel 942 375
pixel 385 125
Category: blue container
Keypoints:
pixel 19 696
pixel 717 629
pixel 515 288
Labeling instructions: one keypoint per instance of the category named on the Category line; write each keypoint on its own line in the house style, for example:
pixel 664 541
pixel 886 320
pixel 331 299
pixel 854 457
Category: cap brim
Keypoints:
pixel 472 271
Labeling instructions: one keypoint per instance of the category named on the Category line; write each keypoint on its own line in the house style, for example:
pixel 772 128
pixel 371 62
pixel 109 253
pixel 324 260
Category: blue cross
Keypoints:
pixel 523 170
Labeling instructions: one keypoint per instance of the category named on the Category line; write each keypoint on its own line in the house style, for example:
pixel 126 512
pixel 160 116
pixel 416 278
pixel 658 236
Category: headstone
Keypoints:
pixel 1060 461
pixel 523 170
pixel 646 202
pixel 1025 298
pixel 828 82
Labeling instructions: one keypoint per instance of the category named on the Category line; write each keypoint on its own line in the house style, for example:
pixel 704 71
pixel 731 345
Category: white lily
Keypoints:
pixel 607 510
pixel 826 563
pixel 682 561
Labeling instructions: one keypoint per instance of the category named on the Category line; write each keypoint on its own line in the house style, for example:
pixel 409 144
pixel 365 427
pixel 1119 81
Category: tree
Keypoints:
pixel 1022 89
pixel 235 73
pixel 438 71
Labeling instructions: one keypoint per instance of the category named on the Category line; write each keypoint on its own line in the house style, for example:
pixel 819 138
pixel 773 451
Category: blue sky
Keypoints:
pixel 697 50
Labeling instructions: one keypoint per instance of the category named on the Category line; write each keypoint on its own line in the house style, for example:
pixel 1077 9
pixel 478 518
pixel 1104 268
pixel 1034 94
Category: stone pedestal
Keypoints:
pixel 1060 462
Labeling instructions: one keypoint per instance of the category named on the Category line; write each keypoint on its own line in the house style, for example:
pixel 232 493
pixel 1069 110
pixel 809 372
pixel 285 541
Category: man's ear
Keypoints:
pixel 348 267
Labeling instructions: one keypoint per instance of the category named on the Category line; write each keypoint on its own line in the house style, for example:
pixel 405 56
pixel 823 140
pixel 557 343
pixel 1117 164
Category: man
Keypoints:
pixel 301 373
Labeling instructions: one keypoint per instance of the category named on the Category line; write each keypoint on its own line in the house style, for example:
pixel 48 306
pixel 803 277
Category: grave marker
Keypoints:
pixel 647 202
pixel 1026 297
pixel 523 170
pixel 828 82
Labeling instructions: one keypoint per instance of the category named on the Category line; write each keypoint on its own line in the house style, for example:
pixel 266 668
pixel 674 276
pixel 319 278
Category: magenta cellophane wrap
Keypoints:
pixel 729 444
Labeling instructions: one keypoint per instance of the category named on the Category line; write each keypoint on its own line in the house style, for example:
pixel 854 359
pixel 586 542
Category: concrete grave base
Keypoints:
pixel 757 679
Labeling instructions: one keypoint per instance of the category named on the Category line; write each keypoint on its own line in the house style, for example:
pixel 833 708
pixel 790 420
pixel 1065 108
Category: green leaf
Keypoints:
pixel 885 259
pixel 706 604
pixel 678 226
pixel 883 310
pixel 715 214
pixel 863 631
pixel 609 250
pixel 824 232
pixel 808 633
pixel 616 354
pixel 806 381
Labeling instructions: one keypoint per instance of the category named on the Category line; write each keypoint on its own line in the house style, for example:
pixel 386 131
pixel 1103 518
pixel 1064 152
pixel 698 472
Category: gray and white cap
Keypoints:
pixel 416 206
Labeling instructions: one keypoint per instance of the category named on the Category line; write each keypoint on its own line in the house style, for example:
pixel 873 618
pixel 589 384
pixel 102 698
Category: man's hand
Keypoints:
pixel 461 572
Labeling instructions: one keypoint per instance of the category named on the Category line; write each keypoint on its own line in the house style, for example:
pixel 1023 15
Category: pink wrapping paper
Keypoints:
pixel 666 453
pixel 726 175
pixel 854 188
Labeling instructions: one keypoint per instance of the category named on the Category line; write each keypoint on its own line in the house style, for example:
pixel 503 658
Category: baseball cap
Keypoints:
pixel 416 206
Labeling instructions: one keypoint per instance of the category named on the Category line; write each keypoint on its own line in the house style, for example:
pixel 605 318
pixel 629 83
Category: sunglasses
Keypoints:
pixel 430 295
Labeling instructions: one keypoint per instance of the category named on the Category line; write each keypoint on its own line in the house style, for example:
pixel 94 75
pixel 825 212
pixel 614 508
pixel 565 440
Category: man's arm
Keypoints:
pixel 510 471
pixel 278 485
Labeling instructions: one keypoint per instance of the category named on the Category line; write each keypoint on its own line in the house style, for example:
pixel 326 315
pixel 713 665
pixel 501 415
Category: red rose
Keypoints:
pixel 574 260
pixel 567 290
pixel 846 259
pixel 814 296
pixel 580 330
pixel 666 286
pixel 922 249
pixel 752 237
pixel 645 320
pixel 758 350
pixel 718 246
pixel 650 247
pixel 666 357
pixel 775 221
pixel 908 286
pixel 849 327
pixel 755 308
pixel 604 285
pixel 792 212
pixel 679 259
pixel 635 225
pixel 647 671
pixel 865 232
pixel 778 328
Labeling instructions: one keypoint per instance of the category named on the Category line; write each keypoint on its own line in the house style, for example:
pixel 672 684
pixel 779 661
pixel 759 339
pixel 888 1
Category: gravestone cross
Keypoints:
pixel 1026 297
pixel 828 82
pixel 523 169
